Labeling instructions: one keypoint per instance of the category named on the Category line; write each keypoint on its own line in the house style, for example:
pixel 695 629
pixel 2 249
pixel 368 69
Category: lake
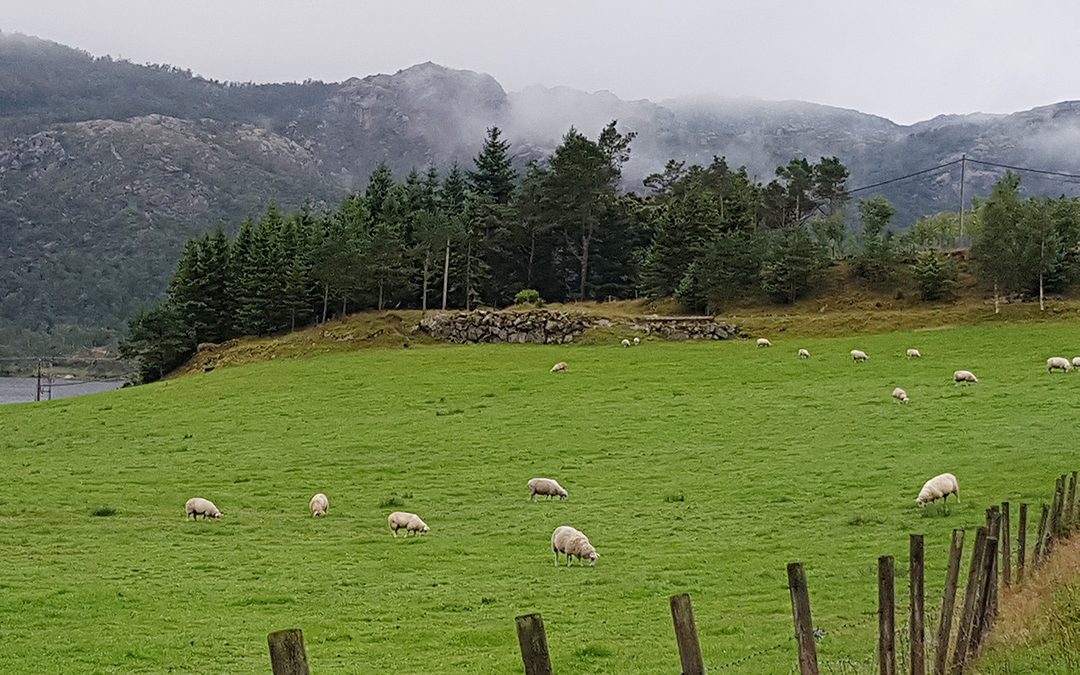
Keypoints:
pixel 21 389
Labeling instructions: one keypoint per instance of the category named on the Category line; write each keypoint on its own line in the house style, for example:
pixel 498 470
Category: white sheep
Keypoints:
pixel 571 542
pixel 625 342
pixel 197 506
pixel 559 367
pixel 637 341
pixel 964 376
pixel 1076 362
pixel 857 355
pixel 762 342
pixel 319 505
pixel 914 354
pixel 547 487
pixel 1058 363
pixel 409 521
pixel 900 395
pixel 804 354
pixel 939 487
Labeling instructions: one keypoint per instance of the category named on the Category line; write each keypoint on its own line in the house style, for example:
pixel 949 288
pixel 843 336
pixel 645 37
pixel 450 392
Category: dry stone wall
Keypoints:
pixel 548 327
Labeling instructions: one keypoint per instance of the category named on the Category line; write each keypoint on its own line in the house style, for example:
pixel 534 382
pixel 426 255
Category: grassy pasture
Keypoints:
pixel 693 467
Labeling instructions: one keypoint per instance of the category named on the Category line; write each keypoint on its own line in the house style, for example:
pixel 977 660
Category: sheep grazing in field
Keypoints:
pixel 900 395
pixel 964 376
pixel 410 522
pixel 571 542
pixel 319 505
pixel 625 342
pixel 804 354
pixel 939 487
pixel 1058 363
pixel 763 342
pixel 1076 362
pixel 197 506
pixel 637 341
pixel 858 355
pixel 914 354
pixel 547 487
pixel 559 367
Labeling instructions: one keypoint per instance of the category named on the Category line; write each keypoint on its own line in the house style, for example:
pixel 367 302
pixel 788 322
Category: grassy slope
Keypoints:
pixel 776 460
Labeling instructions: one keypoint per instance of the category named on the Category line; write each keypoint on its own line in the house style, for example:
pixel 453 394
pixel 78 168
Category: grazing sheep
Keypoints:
pixel 914 354
pixel 625 342
pixel 939 487
pixel 637 341
pixel 571 542
pixel 964 376
pixel 548 487
pixel 804 354
pixel 197 506
pixel 559 367
pixel 1058 363
pixel 409 521
pixel 900 395
pixel 762 342
pixel 319 505
pixel 1076 362
pixel 857 355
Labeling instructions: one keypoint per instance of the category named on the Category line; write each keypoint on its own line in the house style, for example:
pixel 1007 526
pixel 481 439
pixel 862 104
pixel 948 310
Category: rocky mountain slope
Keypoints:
pixel 106 167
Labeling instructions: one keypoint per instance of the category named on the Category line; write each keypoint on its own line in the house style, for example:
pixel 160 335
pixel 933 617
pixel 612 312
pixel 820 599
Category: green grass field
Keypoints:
pixel 700 468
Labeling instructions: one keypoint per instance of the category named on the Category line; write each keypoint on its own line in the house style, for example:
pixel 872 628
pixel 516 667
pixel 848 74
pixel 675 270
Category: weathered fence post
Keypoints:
pixel 886 615
pixel 971 594
pixel 287 653
pixel 985 614
pixel 533 642
pixel 1053 528
pixel 1070 508
pixel 948 601
pixel 1021 543
pixel 1006 545
pixel 917 622
pixel 800 612
pixel 682 614
pixel 1037 555
pixel 992 571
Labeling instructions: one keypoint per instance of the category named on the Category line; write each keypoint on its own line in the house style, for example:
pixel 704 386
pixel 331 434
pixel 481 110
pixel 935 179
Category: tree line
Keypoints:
pixel 709 236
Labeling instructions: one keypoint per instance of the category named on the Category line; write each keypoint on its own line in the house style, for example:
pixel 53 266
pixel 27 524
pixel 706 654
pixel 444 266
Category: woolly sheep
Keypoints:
pixel 857 355
pixel 637 341
pixel 197 506
pixel 319 505
pixel 914 354
pixel 559 367
pixel 625 342
pixel 1076 362
pixel 939 487
pixel 1058 363
pixel 571 542
pixel 964 376
pixel 762 342
pixel 547 487
pixel 900 395
pixel 804 354
pixel 409 521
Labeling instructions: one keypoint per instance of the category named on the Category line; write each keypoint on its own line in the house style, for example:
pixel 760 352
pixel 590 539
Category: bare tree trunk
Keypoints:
pixel 325 299
pixel 380 296
pixel 446 274
pixel 423 299
pixel 996 308
pixel 293 326
pixel 1042 305
pixel 1042 255
pixel 344 304
pixel 532 256
pixel 468 274
pixel 585 241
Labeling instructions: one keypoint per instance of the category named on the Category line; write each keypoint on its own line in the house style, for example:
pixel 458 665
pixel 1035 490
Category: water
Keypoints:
pixel 21 389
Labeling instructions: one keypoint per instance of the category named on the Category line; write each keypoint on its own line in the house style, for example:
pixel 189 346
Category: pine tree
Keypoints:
pixel 494 175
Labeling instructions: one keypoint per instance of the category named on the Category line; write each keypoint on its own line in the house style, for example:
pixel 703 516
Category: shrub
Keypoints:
pixel 104 512
pixel 935 274
pixel 528 296
pixel 392 501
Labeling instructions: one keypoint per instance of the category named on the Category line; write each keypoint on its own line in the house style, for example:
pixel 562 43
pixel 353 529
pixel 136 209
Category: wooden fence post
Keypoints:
pixel 1070 507
pixel 287 653
pixel 1021 543
pixel 992 571
pixel 533 642
pixel 1053 528
pixel 1037 555
pixel 800 612
pixel 682 614
pixel 985 613
pixel 948 601
pixel 917 622
pixel 886 615
pixel 971 594
pixel 1006 544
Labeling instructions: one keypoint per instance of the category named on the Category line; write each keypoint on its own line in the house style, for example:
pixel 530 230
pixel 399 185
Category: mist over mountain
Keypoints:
pixel 107 167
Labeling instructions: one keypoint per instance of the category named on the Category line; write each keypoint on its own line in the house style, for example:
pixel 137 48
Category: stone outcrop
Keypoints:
pixel 547 327
pixel 684 327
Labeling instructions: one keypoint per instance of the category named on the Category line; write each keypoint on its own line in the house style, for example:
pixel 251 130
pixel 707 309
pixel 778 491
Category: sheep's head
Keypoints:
pixel 921 503
pixel 425 529
pixel 216 516
pixel 564 495
pixel 592 557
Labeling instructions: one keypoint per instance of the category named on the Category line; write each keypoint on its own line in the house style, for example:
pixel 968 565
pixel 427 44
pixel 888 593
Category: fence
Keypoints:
pixel 991 565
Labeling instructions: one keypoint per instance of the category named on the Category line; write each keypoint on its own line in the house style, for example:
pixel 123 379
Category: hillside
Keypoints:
pixel 106 167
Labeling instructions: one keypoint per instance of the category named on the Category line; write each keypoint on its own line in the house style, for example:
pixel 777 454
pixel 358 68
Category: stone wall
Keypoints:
pixel 684 327
pixel 546 327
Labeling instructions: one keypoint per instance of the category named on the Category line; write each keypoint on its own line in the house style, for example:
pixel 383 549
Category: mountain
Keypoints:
pixel 107 167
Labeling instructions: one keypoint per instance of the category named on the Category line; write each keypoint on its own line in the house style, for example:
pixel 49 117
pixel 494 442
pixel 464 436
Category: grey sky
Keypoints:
pixel 905 60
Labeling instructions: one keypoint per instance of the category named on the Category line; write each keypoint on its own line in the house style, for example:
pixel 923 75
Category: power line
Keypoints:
pixel 905 177
pixel 1045 172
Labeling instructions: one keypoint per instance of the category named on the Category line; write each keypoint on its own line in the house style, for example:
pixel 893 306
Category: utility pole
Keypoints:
pixel 963 163
pixel 37 391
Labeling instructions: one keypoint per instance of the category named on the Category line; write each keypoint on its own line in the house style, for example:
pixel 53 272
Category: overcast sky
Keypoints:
pixel 905 60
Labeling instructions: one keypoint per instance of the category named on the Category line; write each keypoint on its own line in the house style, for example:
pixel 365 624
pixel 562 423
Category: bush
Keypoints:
pixel 103 512
pixel 528 296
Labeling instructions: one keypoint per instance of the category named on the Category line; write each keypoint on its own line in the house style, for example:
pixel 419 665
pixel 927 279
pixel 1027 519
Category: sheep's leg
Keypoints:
pixel 569 559
pixel 532 497
pixel 556 557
